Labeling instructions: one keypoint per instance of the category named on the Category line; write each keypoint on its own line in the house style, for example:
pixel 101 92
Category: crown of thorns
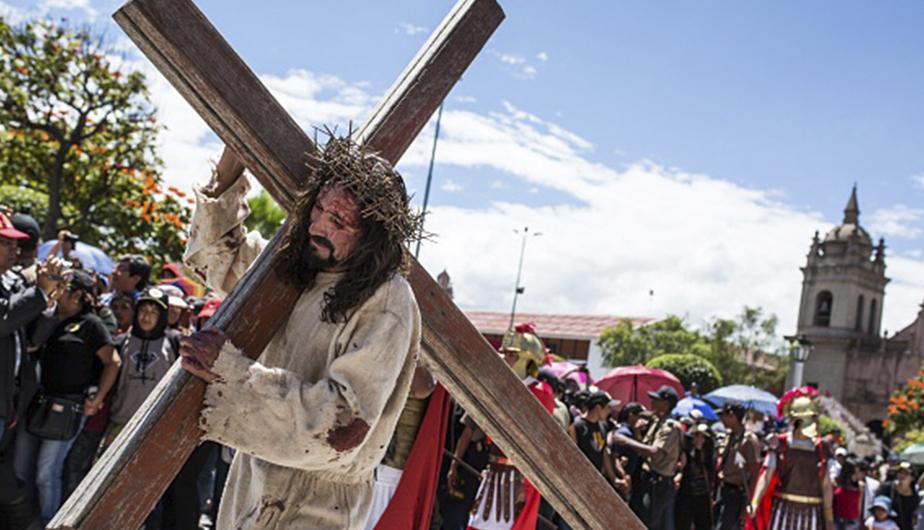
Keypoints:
pixel 378 188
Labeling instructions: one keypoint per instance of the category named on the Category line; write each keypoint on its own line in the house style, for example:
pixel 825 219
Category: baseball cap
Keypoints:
pixel 208 309
pixel 82 281
pixel 665 393
pixel 27 224
pixel 154 295
pixel 840 451
pixel 734 406
pixel 8 230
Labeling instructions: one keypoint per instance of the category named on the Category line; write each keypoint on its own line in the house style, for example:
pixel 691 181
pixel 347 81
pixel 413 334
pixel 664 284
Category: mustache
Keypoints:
pixel 322 242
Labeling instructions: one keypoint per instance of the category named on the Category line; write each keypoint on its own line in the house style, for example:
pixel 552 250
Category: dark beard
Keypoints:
pixel 309 263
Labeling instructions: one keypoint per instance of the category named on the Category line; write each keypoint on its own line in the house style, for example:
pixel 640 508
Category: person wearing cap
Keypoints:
pixel 148 354
pixel 881 515
pixel 802 495
pixel 208 309
pixel 589 436
pixel 73 341
pixel 654 493
pixel 834 464
pixel 903 493
pixel 20 305
pixel 739 466
pixel 26 265
pixel 695 480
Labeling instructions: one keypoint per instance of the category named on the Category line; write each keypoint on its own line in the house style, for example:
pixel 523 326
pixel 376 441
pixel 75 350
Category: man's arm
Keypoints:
pixel 219 248
pixel 251 407
pixel 638 447
pixel 423 383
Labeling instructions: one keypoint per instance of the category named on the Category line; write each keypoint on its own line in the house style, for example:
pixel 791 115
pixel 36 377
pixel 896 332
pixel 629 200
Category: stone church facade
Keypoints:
pixel 843 294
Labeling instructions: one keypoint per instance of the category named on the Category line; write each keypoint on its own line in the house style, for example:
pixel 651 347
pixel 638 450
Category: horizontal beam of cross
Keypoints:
pixel 123 487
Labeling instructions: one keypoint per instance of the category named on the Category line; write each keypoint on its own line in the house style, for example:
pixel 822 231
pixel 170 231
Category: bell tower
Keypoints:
pixel 843 286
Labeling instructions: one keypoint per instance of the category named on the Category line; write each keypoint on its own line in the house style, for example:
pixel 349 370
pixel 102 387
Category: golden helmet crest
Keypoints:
pixel 528 347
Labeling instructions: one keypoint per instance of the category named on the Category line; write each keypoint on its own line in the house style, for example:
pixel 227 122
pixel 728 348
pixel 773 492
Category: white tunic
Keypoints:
pixel 313 416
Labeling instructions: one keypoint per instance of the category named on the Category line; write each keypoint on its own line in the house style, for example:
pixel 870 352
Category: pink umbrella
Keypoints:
pixel 632 383
pixel 559 369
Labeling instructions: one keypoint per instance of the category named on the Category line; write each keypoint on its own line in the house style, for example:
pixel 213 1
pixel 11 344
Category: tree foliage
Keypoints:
pixel 689 368
pixel 265 216
pixel 725 343
pixel 906 408
pixel 82 132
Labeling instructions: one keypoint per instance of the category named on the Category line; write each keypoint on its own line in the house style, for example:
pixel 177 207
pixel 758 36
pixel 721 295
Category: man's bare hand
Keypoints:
pixel 49 275
pixel 229 169
pixel 199 351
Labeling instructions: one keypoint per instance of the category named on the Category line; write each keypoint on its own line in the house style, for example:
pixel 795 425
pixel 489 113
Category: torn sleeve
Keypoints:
pixel 220 249
pixel 274 415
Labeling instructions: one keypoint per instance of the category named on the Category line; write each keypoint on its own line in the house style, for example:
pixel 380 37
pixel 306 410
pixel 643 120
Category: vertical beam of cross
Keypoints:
pixel 121 489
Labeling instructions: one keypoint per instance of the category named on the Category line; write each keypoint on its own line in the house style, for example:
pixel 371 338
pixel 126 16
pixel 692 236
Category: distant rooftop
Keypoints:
pixel 558 326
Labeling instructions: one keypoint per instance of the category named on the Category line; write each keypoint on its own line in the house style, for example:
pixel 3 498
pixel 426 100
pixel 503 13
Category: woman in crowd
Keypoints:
pixel 695 481
pixel 903 493
pixel 848 496
pixel 74 341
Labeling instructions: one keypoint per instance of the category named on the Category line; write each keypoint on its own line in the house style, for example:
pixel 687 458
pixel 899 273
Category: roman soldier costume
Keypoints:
pixel 795 471
pixel 505 499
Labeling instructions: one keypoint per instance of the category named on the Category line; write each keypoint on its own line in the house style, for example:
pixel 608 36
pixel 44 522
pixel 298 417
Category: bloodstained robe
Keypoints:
pixel 313 415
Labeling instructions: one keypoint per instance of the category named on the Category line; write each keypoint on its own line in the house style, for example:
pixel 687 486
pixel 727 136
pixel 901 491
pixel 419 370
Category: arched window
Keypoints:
pixel 858 325
pixel 823 304
pixel 872 318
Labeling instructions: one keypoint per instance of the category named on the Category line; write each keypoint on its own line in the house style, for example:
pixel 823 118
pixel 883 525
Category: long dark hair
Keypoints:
pixel 376 258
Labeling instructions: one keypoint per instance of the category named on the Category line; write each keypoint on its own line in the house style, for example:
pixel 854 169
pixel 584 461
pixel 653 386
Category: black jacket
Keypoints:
pixel 19 305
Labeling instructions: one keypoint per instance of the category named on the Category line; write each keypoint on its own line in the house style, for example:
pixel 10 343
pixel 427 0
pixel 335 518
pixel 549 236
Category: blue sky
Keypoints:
pixel 731 131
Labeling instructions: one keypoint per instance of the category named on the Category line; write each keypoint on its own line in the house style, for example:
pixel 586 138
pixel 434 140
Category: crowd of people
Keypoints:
pixel 684 472
pixel 81 351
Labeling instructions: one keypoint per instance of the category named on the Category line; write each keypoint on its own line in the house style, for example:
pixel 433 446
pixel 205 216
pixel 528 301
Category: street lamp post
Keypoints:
pixel 801 347
pixel 518 290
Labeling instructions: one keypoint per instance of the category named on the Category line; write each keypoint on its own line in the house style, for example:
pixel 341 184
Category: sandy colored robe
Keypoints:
pixel 313 416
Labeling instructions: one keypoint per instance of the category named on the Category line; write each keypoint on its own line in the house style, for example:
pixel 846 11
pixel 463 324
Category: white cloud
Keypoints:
pixel 897 221
pixel 466 99
pixel 451 186
pixel 510 58
pixel 529 71
pixel 410 29
pixel 498 185
pixel 69 5
pixel 542 56
pixel 918 180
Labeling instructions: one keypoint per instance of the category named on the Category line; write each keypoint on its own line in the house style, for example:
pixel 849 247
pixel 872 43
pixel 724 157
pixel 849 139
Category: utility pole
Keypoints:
pixel 426 200
pixel 518 290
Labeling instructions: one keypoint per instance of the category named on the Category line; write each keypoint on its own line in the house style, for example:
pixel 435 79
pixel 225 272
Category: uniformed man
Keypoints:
pixel 653 495
pixel 739 464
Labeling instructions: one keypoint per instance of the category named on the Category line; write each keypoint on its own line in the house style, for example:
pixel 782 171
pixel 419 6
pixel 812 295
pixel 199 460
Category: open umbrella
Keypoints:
pixel 752 398
pixel 559 369
pixel 914 454
pixel 632 383
pixel 689 403
pixel 91 257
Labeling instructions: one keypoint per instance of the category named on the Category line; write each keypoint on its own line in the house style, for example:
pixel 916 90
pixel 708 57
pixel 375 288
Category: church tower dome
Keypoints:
pixel 843 286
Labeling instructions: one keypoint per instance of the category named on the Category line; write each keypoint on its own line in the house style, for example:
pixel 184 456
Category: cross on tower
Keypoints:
pixel 125 484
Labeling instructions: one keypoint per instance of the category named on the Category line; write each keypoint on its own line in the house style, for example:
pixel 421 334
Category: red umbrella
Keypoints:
pixel 632 383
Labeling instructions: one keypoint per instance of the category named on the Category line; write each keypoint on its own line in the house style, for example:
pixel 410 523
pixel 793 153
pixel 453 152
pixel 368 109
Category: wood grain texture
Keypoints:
pixel 175 35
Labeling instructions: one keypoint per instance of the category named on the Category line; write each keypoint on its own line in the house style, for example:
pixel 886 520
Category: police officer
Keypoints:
pixel 654 494
pixel 739 464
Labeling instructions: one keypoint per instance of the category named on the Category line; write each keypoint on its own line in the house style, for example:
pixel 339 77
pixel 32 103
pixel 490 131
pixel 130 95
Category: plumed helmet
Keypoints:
pixel 801 404
pixel 529 349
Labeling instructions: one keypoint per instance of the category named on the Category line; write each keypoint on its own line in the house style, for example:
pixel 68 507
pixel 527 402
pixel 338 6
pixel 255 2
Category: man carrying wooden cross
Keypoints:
pixel 313 416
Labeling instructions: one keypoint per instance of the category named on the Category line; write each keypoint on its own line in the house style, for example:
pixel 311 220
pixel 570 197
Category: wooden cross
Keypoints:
pixel 124 485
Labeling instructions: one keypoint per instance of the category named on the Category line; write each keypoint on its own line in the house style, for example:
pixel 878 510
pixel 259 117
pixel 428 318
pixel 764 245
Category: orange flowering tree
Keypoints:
pixel 906 408
pixel 78 127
